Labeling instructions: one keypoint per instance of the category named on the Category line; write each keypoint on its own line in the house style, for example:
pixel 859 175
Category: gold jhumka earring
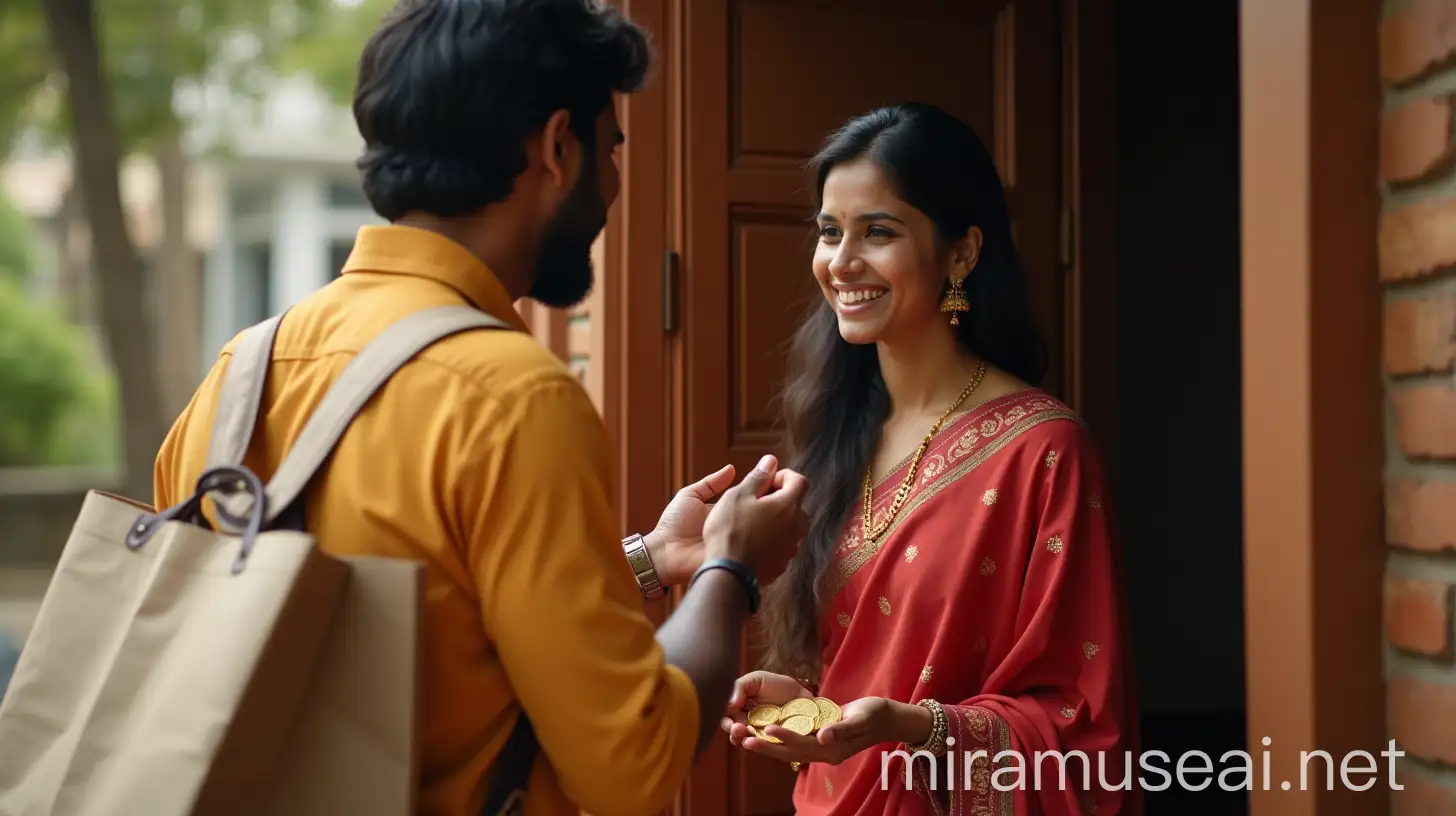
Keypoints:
pixel 955 301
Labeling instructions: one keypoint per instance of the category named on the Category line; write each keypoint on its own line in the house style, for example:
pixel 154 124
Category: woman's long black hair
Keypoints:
pixel 835 399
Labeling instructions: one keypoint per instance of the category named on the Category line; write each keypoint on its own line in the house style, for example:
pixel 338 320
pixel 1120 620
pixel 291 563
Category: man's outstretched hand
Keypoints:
pixel 675 545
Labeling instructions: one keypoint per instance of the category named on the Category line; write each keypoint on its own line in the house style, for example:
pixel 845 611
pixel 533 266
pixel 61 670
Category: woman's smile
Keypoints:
pixel 858 299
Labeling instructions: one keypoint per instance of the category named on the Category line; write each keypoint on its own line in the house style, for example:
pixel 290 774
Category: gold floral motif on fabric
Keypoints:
pixel 990 497
pixel 979 723
pixel 880 517
pixel 925 674
pixel 1089 649
pixel 988 566
pixel 843 618
pixel 931 467
pixel 962 454
pixel 981 774
pixel 1054 545
pixel 884 605
pixel 910 553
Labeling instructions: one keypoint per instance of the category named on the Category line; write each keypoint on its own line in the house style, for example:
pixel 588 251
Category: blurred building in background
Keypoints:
pixel 270 218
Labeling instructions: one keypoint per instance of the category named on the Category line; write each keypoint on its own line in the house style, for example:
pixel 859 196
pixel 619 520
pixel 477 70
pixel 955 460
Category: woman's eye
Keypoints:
pixel 828 232
pixel 880 232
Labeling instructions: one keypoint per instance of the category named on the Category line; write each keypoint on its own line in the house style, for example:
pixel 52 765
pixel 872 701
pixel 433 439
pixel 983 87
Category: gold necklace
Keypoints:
pixel 869 534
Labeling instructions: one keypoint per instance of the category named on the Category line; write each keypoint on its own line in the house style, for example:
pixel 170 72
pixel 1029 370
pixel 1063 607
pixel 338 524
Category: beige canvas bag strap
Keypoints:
pixel 241 396
pixel 369 370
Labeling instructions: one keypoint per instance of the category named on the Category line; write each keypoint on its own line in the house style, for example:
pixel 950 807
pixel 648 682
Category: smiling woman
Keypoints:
pixel 959 587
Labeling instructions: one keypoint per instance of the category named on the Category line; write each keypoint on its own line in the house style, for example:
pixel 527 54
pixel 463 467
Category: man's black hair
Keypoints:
pixel 449 90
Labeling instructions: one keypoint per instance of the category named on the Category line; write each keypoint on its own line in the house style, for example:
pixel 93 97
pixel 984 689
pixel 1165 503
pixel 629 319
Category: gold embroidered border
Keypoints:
pixel 1003 743
pixel 970 790
pixel 950 421
pixel 859 556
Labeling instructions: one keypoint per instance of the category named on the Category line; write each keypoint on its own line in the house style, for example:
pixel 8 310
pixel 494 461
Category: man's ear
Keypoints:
pixel 560 148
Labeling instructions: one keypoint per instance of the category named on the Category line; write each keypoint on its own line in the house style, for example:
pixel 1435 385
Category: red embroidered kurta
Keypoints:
pixel 997 591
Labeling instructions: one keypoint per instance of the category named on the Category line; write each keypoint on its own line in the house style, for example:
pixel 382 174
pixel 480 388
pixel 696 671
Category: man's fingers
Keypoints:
pixel 761 479
pixel 790 485
pixel 711 486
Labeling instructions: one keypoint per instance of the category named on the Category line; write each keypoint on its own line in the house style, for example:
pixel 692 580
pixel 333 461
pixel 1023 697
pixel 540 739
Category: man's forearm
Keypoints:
pixel 703 638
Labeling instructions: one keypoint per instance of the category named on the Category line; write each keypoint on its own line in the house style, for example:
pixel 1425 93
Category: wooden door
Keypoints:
pixel 760 83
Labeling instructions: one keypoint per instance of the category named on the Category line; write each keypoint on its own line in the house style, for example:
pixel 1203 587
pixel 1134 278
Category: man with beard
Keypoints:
pixel 490 130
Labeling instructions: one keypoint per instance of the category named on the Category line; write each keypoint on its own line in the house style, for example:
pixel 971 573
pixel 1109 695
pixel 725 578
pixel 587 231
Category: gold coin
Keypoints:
pixel 765 715
pixel 799 723
pixel 765 737
pixel 800 707
pixel 829 712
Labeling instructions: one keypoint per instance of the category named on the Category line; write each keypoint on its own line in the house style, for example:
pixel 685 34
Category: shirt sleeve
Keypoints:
pixel 562 608
pixel 178 448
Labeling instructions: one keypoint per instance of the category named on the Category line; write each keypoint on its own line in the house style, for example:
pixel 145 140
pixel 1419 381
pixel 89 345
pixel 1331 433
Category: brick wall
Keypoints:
pixel 1417 235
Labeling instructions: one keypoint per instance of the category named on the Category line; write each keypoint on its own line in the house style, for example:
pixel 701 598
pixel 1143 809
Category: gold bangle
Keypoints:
pixel 939 730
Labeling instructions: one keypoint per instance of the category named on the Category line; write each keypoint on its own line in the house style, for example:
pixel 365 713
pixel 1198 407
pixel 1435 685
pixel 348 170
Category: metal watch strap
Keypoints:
pixel 635 548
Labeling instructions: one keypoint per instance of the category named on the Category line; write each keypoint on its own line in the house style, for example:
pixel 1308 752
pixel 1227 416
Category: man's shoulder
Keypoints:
pixel 506 363
pixel 487 373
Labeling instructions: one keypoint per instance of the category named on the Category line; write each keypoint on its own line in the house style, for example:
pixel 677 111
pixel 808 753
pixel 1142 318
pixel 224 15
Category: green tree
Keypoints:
pixel 104 76
pixel 330 54
pixel 57 408
pixel 17 243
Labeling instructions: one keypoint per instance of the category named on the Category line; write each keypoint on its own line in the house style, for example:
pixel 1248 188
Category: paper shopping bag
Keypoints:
pixel 165 665
pixel 354 747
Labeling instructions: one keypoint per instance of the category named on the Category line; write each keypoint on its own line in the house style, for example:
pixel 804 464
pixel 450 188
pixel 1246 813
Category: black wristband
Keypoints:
pixel 741 571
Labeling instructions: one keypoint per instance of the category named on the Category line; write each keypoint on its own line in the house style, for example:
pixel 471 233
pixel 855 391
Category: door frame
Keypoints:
pixel 1313 401
pixel 632 347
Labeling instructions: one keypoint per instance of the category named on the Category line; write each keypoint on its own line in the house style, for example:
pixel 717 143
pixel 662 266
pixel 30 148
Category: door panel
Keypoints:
pixel 830 61
pixel 760 83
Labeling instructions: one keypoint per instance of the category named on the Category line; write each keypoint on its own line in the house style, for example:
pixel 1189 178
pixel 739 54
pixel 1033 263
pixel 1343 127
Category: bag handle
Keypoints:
pixel 225 479
pixel 241 396
pixel 361 378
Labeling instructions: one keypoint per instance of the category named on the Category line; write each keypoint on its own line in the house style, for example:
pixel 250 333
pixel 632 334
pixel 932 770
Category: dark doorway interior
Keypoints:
pixel 1179 384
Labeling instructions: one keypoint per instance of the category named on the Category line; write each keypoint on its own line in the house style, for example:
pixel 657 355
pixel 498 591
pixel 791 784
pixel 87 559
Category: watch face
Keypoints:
pixel 637 558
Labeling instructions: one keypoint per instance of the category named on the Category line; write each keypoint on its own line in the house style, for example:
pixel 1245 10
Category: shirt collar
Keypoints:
pixel 402 250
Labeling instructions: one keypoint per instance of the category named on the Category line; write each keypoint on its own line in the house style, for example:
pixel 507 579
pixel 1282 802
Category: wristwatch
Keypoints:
pixel 635 548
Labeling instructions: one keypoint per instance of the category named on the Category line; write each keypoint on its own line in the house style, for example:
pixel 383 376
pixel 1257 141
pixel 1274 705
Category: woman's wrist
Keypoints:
pixel 910 724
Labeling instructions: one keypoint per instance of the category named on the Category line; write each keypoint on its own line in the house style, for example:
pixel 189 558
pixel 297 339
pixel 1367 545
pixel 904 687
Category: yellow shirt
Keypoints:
pixel 484 458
